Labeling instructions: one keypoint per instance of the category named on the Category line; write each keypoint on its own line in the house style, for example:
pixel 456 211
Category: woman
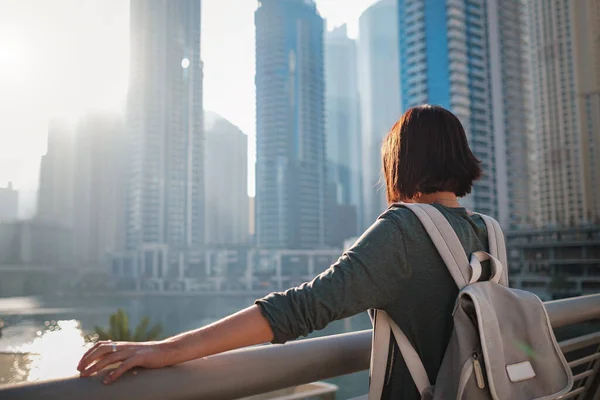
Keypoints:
pixel 394 266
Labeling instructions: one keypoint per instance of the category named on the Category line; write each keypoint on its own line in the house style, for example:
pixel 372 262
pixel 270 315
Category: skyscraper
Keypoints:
pixel 342 137
pixel 165 202
pixel 378 76
pixel 82 187
pixel 510 90
pixel 290 125
pixel 343 116
pixel 565 71
pixel 226 180
pixel 444 60
pixel 98 189
pixel 9 203
pixel 55 193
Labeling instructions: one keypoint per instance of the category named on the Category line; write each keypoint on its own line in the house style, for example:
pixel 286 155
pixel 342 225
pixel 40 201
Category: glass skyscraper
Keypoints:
pixel 290 125
pixel 379 89
pixel 165 202
pixel 343 128
pixel 467 56
pixel 511 113
pixel 226 183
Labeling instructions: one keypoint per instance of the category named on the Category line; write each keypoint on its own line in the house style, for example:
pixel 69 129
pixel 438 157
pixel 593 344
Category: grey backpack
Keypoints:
pixel 502 345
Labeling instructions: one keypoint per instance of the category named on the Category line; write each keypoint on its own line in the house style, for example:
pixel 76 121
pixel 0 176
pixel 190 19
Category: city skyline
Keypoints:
pixel 88 71
pixel 493 108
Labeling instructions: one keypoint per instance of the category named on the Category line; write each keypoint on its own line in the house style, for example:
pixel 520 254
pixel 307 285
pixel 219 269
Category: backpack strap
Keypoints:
pixel 497 245
pixel 445 240
pixel 383 324
pixel 380 348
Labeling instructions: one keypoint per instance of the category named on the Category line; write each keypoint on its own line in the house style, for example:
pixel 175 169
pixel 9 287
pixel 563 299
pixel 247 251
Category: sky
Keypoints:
pixel 64 58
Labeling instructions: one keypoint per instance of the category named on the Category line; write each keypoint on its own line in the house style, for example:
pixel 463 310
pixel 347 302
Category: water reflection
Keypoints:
pixel 54 353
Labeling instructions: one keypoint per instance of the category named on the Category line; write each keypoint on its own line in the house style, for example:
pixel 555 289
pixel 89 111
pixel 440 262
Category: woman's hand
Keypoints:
pixel 129 354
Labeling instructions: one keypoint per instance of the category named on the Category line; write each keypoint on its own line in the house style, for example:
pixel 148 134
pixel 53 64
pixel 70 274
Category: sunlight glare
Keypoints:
pixel 12 60
pixel 55 352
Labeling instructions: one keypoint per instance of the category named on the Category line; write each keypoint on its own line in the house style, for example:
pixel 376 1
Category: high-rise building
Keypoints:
pixel 55 193
pixel 165 201
pixel 343 116
pixel 98 189
pixel 9 203
pixel 343 136
pixel 82 187
pixel 290 125
pixel 226 180
pixel 565 74
pixel 379 84
pixel 444 53
pixel 511 110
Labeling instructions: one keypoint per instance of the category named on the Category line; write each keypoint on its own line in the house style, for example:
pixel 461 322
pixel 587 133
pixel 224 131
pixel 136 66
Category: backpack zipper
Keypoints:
pixel 465 376
pixel 478 371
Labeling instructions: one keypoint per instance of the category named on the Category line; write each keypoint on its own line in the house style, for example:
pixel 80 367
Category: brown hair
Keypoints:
pixel 426 152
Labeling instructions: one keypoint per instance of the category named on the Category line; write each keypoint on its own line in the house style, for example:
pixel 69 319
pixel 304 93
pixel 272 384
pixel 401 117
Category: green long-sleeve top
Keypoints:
pixel 394 266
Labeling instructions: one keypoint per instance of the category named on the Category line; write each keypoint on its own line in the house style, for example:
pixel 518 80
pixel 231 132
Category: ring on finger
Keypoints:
pixel 114 347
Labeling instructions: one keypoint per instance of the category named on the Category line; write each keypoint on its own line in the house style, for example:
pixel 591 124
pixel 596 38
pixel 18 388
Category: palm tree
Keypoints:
pixel 118 329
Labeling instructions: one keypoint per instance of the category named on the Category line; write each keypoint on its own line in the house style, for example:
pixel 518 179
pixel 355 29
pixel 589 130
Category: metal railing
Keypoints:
pixel 263 369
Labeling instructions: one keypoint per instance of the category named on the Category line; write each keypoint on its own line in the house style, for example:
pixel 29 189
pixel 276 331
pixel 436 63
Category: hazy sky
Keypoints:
pixel 61 58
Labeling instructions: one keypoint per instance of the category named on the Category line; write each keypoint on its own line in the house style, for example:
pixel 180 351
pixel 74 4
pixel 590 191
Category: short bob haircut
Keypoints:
pixel 426 152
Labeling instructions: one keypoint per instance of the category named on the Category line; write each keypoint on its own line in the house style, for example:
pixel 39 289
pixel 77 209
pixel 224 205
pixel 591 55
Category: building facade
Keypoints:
pixel 514 142
pixel 55 193
pixel 258 270
pixel 99 183
pixel 165 199
pixel 444 53
pixel 565 74
pixel 555 263
pixel 9 203
pixel 343 116
pixel 343 136
pixel 227 205
pixel 379 87
pixel 290 125
pixel 82 187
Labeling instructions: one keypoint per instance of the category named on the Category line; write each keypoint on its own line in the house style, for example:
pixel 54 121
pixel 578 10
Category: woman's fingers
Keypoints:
pixel 96 354
pixel 101 351
pixel 124 367
pixel 107 360
pixel 90 350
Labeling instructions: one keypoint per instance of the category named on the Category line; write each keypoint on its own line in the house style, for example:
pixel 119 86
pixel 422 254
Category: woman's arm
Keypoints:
pixel 369 275
pixel 245 328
